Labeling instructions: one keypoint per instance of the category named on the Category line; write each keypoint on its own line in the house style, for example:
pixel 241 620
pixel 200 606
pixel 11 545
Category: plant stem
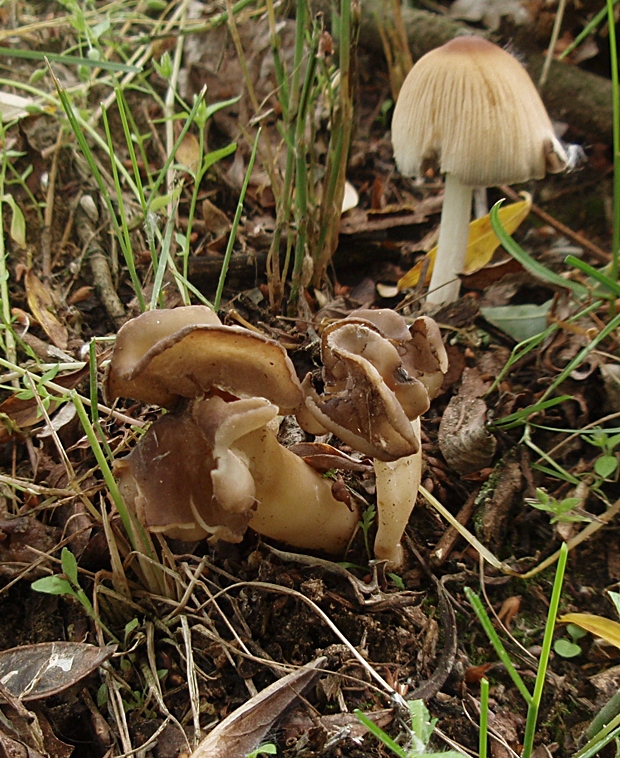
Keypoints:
pixel 484 718
pixel 534 706
pixel 613 54
pixel 235 225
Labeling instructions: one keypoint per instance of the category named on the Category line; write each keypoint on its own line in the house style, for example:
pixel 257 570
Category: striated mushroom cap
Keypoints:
pixel 471 109
pixel 160 359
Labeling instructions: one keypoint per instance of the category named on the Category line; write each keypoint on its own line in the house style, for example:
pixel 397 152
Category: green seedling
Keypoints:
pixel 267 749
pixel 569 647
pixel 606 466
pixel 69 584
pixel 419 733
pixel 561 511
pixel 365 524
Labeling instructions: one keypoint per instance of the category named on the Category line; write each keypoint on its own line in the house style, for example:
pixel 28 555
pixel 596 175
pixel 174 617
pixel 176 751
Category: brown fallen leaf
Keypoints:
pixel 243 730
pixel 32 672
pixel 42 307
pixel 324 457
pixel 510 608
pixel 464 440
pixel 17 414
pixel 188 152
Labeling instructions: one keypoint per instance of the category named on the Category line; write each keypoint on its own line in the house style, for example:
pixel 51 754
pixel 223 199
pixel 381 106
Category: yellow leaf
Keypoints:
pixel 599 625
pixel 481 245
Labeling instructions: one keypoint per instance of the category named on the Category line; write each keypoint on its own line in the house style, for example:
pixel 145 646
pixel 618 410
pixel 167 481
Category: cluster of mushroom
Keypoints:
pixel 213 466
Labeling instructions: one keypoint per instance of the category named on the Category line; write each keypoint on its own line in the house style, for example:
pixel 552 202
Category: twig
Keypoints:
pixel 99 266
pixel 557 25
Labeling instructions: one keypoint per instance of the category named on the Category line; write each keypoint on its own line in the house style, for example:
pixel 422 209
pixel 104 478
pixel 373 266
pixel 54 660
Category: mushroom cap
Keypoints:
pixel 196 358
pixel 166 479
pixel 471 109
pixel 379 375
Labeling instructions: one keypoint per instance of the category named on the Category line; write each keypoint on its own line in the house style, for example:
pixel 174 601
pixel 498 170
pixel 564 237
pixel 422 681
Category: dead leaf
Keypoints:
pixel 32 672
pixel 42 307
pixel 188 152
pixel 464 440
pixel 495 511
pixel 390 217
pixel 475 674
pixel 481 245
pixel 17 414
pixel 215 220
pixel 510 608
pixel 242 731
pixel 324 457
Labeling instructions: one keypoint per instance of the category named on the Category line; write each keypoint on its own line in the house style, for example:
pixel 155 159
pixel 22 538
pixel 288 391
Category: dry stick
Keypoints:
pixel 600 254
pixel 557 25
pixel 46 233
pixel 100 267
pixel 446 544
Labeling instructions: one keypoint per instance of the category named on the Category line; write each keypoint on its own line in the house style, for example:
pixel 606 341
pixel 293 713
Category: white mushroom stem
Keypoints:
pixel 397 489
pixel 452 246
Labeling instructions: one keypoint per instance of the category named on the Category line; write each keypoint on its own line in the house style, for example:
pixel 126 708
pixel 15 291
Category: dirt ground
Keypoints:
pixel 195 641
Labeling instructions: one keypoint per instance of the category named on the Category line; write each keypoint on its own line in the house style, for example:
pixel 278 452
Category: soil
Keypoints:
pixel 187 658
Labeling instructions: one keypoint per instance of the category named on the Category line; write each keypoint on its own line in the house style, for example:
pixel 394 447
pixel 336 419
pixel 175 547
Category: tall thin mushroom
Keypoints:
pixel 471 110
pixel 379 377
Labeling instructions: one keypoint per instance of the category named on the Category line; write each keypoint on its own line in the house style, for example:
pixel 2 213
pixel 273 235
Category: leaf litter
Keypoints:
pixel 203 651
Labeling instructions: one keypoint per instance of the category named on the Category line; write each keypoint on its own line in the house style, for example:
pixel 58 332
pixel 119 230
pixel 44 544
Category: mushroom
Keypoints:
pixel 216 468
pixel 213 466
pixel 379 377
pixel 470 109
pixel 162 356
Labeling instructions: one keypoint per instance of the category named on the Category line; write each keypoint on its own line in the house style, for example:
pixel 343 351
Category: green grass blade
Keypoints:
pixel 520 417
pixel 534 706
pixel 380 734
pixel 498 645
pixel 526 260
pixel 235 225
pixel 68 60
pixel 86 151
pixel 484 718
pixel 600 277
pixel 615 94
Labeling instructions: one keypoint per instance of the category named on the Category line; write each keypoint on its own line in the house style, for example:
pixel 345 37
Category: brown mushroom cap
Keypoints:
pixel 471 109
pixel 377 375
pixel 215 468
pixel 192 360
pixel 137 337
pixel 166 479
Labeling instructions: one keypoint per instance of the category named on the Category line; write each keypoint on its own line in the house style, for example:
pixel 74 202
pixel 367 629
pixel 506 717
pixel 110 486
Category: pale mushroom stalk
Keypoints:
pixel 452 246
pixel 398 483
